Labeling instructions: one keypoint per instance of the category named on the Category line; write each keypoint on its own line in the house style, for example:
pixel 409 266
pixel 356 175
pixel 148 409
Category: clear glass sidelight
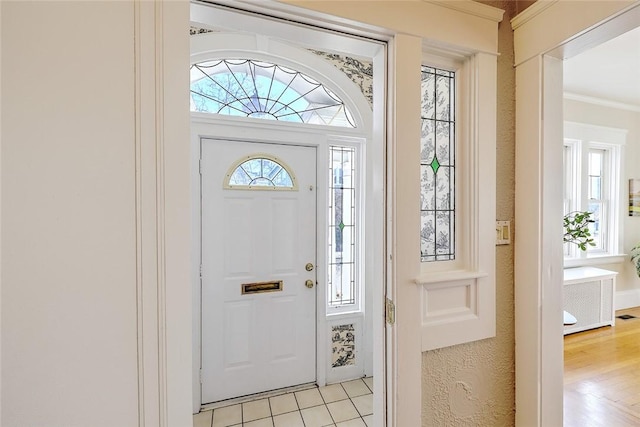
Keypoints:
pixel 437 166
pixel 596 197
pixel 342 274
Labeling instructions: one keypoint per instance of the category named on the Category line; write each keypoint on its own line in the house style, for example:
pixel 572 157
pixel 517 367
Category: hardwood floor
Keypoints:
pixel 602 375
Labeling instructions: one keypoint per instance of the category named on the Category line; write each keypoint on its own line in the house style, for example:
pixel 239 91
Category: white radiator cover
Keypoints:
pixel 588 294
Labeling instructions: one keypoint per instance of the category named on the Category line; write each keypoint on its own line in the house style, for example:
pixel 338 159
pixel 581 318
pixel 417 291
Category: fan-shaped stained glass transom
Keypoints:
pixel 260 172
pixel 258 89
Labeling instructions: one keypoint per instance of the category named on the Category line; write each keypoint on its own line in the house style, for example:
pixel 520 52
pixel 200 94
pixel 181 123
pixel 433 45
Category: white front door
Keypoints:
pixel 258 313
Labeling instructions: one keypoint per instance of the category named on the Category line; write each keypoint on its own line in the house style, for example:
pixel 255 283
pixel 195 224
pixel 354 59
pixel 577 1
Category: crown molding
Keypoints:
pixel 472 8
pixel 531 12
pixel 601 102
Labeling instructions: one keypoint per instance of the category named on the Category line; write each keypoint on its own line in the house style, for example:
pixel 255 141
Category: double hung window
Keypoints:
pixel 592 163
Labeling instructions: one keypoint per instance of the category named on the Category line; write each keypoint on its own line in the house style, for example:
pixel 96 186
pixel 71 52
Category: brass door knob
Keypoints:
pixel 309 283
pixel 309 267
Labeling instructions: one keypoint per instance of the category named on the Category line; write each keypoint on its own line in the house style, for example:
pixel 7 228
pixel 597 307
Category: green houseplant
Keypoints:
pixel 576 229
pixel 635 257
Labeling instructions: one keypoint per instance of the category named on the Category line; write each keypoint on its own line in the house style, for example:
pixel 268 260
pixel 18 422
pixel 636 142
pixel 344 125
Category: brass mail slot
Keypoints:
pixel 260 287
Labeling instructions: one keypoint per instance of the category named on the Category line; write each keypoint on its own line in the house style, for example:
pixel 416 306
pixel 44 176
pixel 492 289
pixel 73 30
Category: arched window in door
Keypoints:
pixel 260 172
pixel 259 89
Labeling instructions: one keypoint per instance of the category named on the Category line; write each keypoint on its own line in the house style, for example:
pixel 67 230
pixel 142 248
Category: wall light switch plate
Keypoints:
pixel 503 232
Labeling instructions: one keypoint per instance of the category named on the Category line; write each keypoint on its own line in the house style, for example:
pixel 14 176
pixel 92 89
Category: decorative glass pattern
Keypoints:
pixel 343 345
pixel 342 227
pixel 193 31
pixel 258 89
pixel 359 71
pixel 437 165
pixel 260 172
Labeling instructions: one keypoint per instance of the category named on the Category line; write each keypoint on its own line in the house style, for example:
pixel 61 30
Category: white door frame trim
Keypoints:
pixel 163 52
pixel 285 134
pixel 163 302
pixel 540 47
pixel 203 47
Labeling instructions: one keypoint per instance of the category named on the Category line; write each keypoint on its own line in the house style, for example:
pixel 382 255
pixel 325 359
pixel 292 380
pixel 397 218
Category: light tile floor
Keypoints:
pixel 349 404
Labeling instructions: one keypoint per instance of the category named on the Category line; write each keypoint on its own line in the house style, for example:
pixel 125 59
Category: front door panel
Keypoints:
pixel 258 315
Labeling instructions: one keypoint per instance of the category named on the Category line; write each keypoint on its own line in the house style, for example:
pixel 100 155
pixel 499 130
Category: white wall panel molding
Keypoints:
pixel 531 12
pixel 472 8
pixel 601 102
pixel 536 30
pixel 458 297
pixel 430 20
pixel 162 213
pixel 70 276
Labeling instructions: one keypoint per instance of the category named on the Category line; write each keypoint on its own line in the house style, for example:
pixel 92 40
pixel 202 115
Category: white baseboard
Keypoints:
pixel 627 299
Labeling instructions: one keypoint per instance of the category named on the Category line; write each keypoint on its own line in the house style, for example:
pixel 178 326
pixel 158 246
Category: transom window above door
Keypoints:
pixel 264 90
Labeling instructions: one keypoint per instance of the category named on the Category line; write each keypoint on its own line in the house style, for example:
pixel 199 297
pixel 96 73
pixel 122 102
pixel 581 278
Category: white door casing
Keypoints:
pixel 269 46
pixel 539 48
pixel 263 341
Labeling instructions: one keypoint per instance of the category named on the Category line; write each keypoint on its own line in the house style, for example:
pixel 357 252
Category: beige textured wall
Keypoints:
pixel 474 384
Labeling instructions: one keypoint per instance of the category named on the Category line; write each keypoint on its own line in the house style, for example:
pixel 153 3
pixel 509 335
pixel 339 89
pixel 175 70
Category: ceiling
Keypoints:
pixel 610 71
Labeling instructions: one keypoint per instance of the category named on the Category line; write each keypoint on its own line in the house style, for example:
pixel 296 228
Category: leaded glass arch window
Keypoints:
pixel 260 172
pixel 264 90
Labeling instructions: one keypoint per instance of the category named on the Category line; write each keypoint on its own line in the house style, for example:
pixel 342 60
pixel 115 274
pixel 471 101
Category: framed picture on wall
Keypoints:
pixel 634 197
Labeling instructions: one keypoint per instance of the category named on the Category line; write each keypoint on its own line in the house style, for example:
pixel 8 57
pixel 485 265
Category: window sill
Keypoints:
pixel 336 312
pixel 595 260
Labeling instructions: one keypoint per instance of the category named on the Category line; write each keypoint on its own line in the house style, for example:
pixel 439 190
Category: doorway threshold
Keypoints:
pixel 256 396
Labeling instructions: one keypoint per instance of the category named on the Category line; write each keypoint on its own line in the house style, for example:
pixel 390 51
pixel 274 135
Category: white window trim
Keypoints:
pixel 581 137
pixel 358 144
pixel 458 297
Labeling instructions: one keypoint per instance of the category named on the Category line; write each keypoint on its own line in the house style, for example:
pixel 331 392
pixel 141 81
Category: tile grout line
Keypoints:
pixel 299 410
pixel 273 422
pixel 351 401
pixel 325 405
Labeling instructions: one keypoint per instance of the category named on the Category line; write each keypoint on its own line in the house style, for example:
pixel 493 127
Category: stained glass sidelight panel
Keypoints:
pixel 263 90
pixel 437 166
pixel 342 227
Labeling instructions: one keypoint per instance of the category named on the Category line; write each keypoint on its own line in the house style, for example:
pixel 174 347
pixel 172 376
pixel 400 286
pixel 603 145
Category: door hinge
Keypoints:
pixel 390 312
pixel 200 376
pixel 200 271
